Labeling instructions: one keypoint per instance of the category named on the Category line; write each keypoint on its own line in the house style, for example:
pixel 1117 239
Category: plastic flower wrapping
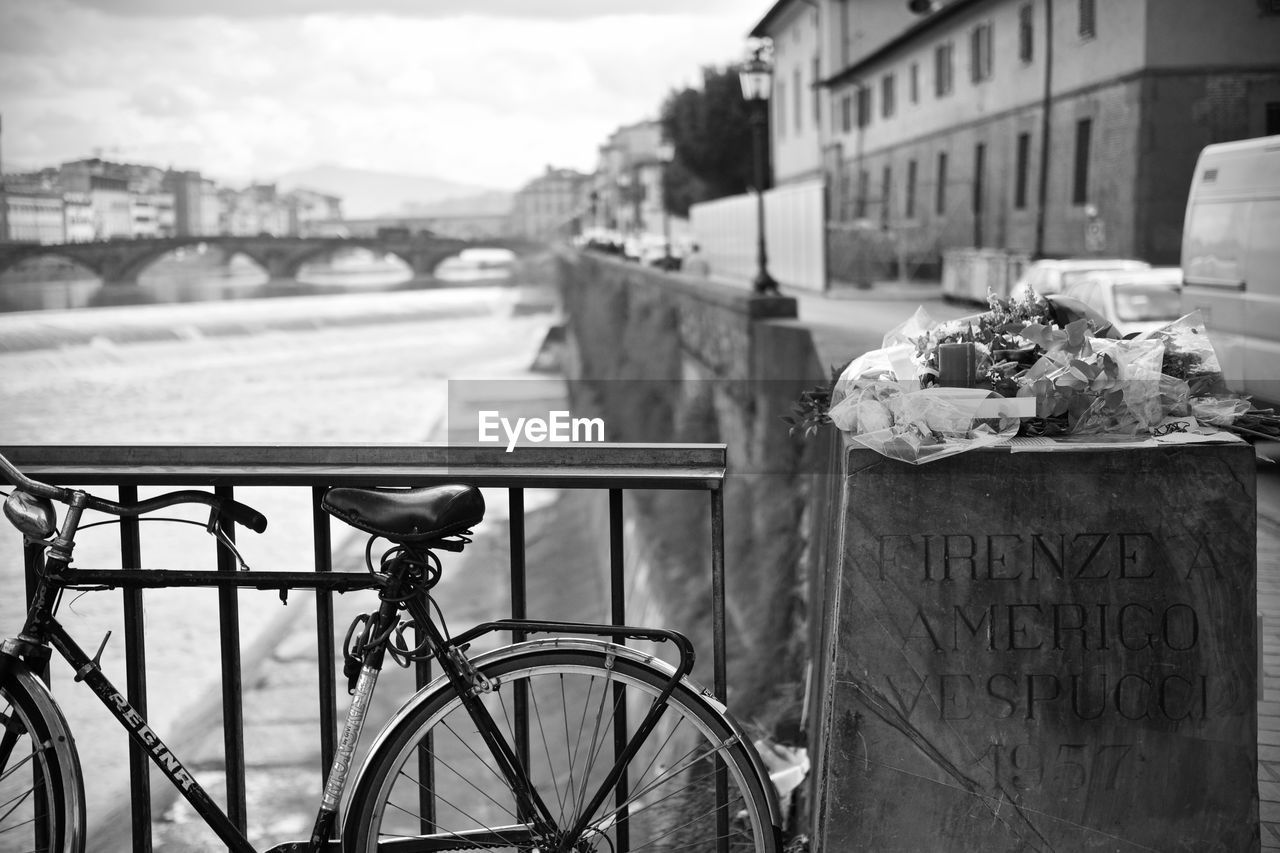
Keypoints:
pixel 1033 368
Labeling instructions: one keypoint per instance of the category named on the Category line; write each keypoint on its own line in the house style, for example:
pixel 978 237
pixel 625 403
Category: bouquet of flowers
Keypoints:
pixel 1027 366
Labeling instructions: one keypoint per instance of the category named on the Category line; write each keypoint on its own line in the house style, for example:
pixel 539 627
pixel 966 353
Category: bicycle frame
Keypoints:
pixel 42 630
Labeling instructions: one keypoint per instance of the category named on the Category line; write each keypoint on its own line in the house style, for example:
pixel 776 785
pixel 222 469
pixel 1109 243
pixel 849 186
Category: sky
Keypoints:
pixel 483 92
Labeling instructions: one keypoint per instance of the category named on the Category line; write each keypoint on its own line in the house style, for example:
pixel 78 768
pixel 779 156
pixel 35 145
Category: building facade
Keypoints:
pixel 98 199
pixel 627 187
pixel 552 205
pixel 31 216
pixel 1051 127
pixel 312 213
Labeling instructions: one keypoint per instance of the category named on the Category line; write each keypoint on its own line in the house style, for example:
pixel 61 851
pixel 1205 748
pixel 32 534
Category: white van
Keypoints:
pixel 1231 260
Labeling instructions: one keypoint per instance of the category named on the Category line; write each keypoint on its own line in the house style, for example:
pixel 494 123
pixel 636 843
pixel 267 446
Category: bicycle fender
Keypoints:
pixel 62 741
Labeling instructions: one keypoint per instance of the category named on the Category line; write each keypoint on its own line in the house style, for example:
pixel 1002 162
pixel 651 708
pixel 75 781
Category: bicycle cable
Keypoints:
pixel 419 571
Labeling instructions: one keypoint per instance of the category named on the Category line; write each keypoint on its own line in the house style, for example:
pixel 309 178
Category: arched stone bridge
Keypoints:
pixel 121 261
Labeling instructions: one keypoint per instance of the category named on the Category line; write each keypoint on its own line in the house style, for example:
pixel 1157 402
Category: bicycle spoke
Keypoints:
pixel 9 771
pixel 469 781
pixel 597 742
pixel 546 744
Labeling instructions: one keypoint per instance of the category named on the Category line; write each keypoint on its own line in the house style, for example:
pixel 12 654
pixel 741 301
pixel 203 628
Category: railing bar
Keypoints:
pixel 326 662
pixel 169 578
pixel 519 610
pixel 717 594
pixel 718 664
pixel 33 562
pixel 135 653
pixel 617 589
pixel 519 594
pixel 232 689
pixel 426 755
pixel 618 616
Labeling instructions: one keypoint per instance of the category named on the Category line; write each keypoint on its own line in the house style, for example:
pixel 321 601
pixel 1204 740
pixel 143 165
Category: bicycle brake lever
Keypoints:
pixel 215 530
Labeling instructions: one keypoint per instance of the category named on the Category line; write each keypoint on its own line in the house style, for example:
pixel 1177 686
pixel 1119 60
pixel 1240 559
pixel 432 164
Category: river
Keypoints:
pixel 361 365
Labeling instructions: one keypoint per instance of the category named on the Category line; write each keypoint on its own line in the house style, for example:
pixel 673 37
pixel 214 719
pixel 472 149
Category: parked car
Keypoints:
pixel 651 250
pixel 1134 301
pixel 1053 276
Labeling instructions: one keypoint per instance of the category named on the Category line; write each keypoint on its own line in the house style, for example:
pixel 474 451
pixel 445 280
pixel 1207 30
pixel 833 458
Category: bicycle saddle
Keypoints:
pixel 407 515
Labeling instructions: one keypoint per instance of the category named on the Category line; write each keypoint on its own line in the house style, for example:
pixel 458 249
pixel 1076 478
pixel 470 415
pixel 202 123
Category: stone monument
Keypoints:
pixel 1041 651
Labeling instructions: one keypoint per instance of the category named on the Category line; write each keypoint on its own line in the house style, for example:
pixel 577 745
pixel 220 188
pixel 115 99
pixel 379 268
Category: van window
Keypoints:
pixel 1264 260
pixel 1211 245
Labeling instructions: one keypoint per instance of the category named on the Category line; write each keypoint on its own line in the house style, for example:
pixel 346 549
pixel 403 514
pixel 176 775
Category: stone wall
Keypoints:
pixel 666 358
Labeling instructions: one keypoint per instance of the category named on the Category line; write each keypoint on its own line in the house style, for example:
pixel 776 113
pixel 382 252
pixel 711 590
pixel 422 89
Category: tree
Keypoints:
pixel 710 130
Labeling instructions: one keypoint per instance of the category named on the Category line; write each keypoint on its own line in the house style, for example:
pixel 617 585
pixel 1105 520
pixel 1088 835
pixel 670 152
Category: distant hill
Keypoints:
pixel 367 194
pixel 495 202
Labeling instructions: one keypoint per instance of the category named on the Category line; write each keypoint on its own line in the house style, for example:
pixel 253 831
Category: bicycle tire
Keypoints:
pixel 574 687
pixel 41 788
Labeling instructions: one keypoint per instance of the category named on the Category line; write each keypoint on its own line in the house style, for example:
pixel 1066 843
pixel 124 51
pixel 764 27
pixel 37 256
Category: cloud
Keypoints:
pixel 474 98
pixel 511 9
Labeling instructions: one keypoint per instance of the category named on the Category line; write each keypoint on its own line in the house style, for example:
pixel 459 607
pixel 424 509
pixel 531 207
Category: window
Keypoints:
pixel 887 95
pixel 864 106
pixel 980 53
pixel 1088 19
pixel 940 204
pixel 780 108
pixel 798 99
pixel 915 82
pixel 860 211
pixel 846 113
pixel 1080 180
pixel 1026 32
pixel 886 181
pixel 817 95
pixel 909 203
pixel 1022 169
pixel 942 70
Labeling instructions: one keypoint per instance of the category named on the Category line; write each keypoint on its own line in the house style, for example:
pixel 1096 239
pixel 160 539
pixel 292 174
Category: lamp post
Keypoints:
pixel 756 77
pixel 666 153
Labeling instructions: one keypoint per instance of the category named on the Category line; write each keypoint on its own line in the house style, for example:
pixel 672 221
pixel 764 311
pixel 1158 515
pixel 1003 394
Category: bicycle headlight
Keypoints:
pixel 34 516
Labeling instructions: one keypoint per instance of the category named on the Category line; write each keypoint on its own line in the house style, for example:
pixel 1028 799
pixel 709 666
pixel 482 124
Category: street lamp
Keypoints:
pixel 666 153
pixel 756 77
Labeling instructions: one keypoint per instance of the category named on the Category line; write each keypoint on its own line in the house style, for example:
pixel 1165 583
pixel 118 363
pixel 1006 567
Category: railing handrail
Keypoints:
pixel 586 465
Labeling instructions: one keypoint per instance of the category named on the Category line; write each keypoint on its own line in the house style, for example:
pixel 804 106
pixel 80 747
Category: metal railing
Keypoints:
pixel 612 467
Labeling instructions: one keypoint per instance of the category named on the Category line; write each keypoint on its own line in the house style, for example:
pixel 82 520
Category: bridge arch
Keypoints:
pixel 331 246
pixel 13 261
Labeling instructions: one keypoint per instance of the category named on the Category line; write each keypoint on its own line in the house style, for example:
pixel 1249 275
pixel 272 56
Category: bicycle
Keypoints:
pixel 532 746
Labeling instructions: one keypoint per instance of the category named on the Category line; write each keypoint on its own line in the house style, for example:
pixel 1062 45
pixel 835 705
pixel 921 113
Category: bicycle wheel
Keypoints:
pixel 574 692
pixel 41 791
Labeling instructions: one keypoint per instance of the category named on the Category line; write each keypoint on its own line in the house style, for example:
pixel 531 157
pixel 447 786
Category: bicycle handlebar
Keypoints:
pixel 240 513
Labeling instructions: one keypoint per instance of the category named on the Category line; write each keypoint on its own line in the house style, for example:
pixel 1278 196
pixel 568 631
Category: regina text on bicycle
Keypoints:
pixel 559 427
